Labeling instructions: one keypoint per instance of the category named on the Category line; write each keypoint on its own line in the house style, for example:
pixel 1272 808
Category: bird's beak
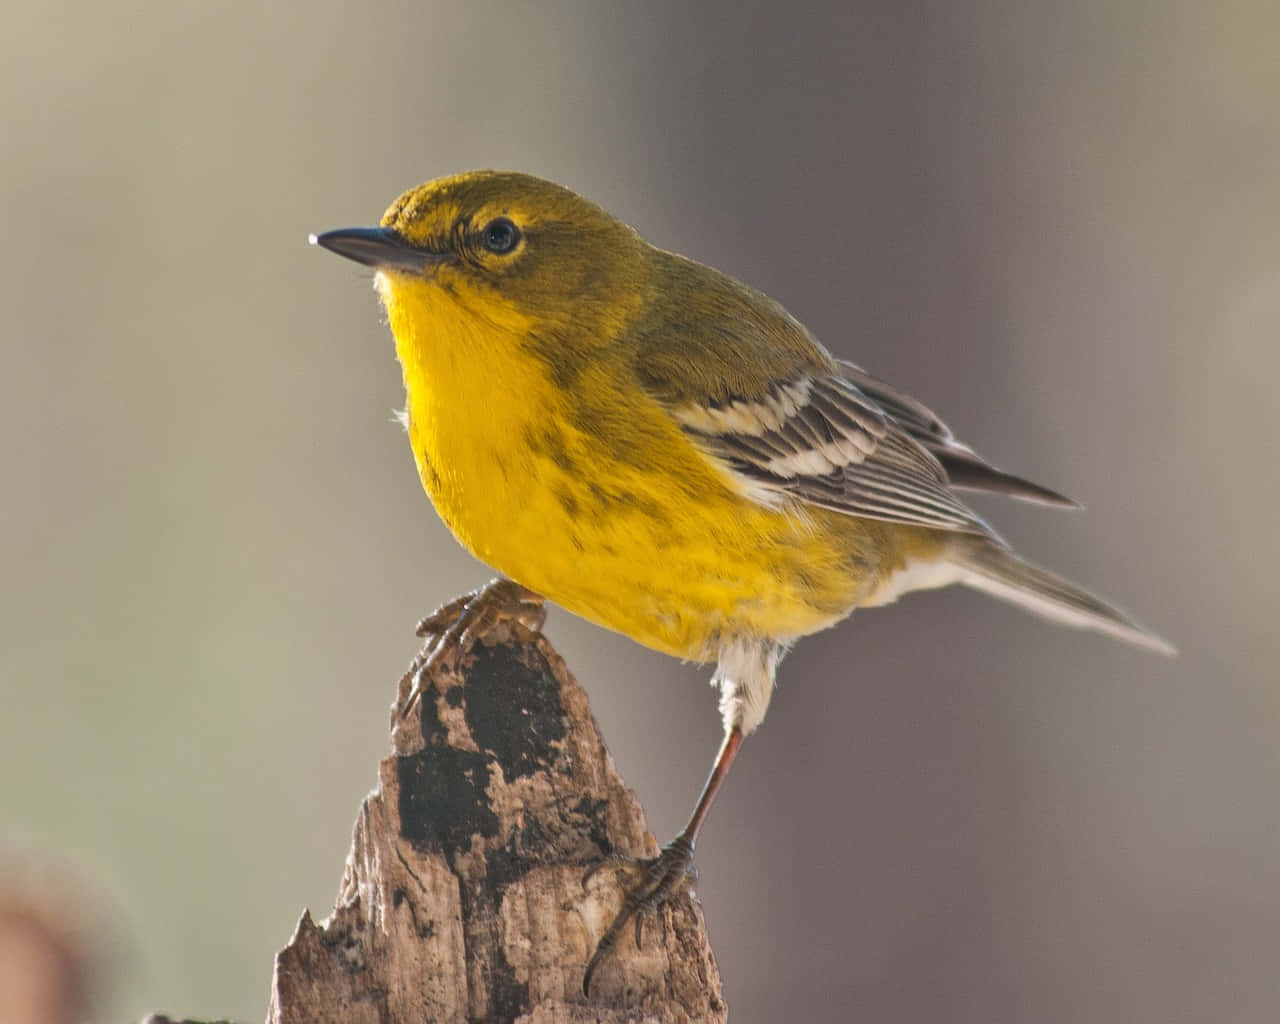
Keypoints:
pixel 381 248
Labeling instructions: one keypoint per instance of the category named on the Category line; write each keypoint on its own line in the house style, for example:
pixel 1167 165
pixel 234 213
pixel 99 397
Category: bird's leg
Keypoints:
pixel 661 876
pixel 464 619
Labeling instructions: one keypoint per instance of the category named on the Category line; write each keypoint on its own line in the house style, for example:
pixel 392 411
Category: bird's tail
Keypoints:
pixel 995 569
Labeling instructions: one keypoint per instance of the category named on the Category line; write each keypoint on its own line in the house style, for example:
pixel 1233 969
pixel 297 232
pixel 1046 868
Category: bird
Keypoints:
pixel 669 453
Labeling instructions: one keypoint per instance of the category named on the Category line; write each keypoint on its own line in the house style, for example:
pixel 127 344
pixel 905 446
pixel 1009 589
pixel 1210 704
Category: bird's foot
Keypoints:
pixel 479 611
pixel 465 619
pixel 659 879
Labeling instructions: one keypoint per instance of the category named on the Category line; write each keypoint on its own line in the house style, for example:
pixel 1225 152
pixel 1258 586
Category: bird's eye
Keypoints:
pixel 500 235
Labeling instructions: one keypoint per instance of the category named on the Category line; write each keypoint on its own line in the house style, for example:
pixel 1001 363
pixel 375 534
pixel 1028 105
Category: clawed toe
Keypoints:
pixel 475 613
pixel 659 879
pixel 440 619
pixel 467 618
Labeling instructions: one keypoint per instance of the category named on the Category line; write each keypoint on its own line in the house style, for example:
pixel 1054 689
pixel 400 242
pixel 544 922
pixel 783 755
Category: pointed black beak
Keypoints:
pixel 378 247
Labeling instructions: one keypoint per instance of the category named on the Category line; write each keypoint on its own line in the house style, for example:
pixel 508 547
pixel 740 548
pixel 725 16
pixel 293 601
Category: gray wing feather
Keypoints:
pixel 965 468
pixel 824 442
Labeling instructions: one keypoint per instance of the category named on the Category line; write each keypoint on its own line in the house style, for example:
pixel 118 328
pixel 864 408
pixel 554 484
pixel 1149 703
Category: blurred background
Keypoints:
pixel 1057 224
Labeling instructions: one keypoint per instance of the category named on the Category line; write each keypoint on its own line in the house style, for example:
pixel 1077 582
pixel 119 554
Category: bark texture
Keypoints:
pixel 463 896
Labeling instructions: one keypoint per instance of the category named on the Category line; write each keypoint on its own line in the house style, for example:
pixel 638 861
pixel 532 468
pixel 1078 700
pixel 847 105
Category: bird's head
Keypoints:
pixel 503 247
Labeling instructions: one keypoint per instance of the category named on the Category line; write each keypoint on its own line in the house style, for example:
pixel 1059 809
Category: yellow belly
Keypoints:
pixel 637 532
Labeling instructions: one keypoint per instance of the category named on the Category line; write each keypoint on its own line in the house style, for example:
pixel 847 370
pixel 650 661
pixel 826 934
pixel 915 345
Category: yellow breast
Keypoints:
pixel 636 531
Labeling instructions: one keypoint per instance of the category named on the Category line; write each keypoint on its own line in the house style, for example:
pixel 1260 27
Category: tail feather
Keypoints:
pixel 998 571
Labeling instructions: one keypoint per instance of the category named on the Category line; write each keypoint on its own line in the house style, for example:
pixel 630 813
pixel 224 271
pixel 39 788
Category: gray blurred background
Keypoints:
pixel 1058 224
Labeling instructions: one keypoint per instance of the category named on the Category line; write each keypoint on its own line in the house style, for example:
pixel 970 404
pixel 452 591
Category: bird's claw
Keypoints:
pixel 479 611
pixel 660 878
pixel 444 616
pixel 465 619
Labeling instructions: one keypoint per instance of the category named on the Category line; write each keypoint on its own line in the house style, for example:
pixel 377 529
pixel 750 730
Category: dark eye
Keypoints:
pixel 500 235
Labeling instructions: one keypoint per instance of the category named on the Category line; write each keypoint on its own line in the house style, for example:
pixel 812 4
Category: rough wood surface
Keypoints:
pixel 463 896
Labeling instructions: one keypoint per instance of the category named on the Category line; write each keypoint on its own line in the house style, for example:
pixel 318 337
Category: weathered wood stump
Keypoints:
pixel 463 897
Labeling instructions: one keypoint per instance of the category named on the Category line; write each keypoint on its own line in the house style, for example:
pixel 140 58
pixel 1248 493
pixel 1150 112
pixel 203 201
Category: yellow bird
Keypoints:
pixel 667 452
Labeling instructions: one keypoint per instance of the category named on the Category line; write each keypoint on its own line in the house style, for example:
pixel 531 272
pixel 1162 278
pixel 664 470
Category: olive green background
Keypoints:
pixel 1060 227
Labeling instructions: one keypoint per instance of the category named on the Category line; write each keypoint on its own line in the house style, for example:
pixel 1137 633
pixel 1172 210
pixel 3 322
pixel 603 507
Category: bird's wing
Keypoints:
pixel 753 389
pixel 965 468
pixel 822 441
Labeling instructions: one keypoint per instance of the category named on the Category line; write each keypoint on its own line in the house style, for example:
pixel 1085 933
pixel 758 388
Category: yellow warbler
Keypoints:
pixel 667 452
